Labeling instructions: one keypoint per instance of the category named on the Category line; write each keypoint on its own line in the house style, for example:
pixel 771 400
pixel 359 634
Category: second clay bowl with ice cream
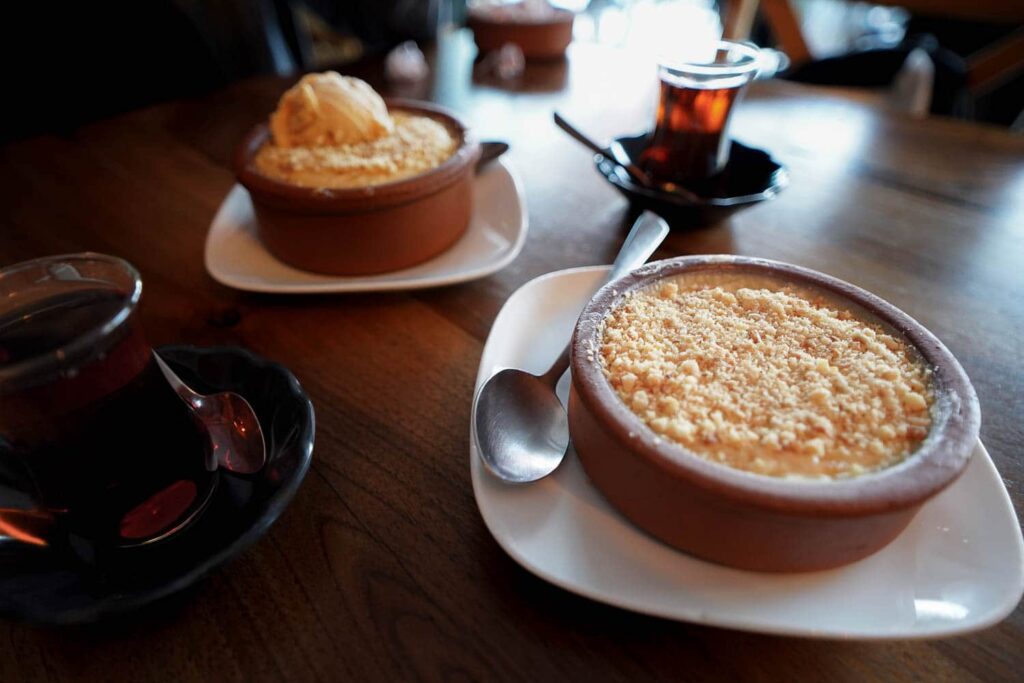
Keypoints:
pixel 764 416
pixel 344 182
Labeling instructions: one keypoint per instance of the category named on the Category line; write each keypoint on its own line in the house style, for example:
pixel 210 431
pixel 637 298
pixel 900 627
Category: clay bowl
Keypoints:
pixel 539 39
pixel 746 520
pixel 364 230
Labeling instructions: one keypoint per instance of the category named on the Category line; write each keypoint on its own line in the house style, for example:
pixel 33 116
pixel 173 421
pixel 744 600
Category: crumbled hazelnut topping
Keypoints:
pixel 772 381
pixel 418 144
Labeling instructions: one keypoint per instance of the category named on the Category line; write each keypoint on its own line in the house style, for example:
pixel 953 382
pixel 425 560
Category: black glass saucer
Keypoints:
pixel 53 586
pixel 751 176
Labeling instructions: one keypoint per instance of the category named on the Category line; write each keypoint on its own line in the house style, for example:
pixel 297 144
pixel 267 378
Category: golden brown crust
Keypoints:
pixel 780 383
pixel 417 144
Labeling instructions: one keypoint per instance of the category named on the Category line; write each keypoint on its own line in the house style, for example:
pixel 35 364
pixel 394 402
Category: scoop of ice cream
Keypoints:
pixel 329 109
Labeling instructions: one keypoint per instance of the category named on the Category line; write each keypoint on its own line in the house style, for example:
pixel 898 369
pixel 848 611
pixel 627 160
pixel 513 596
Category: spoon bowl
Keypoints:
pixel 533 451
pixel 234 437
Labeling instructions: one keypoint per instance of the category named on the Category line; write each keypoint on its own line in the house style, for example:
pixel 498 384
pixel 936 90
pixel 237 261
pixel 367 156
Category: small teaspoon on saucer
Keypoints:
pixel 234 437
pixel 617 154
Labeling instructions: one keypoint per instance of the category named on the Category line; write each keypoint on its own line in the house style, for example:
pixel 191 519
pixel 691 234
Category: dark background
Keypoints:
pixel 66 63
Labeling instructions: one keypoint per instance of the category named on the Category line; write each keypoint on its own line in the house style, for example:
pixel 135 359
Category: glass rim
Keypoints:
pixel 749 61
pixel 86 339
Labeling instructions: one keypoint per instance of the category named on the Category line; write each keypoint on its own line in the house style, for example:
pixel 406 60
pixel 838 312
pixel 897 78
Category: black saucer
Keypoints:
pixel 751 176
pixel 56 587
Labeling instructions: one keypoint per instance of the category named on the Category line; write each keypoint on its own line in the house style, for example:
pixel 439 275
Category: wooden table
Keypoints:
pixel 382 568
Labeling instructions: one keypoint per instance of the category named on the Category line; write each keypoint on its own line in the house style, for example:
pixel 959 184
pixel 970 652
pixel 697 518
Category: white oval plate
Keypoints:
pixel 958 567
pixel 497 230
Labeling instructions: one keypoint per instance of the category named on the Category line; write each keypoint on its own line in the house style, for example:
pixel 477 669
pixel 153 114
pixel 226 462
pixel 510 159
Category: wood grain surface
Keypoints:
pixel 382 569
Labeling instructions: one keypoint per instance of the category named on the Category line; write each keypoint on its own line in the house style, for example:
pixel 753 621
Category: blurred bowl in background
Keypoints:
pixel 540 35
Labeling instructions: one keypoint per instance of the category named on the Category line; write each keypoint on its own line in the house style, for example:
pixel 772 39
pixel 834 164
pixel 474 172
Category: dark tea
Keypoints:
pixel 690 141
pixel 93 433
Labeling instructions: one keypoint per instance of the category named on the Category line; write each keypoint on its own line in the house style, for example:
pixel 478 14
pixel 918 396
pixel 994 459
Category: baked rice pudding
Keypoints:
pixel 766 377
pixel 762 415
pixel 415 145
pixel 343 182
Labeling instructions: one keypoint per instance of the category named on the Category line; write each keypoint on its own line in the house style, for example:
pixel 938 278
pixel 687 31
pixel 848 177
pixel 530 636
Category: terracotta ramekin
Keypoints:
pixel 364 230
pixel 747 520
pixel 539 40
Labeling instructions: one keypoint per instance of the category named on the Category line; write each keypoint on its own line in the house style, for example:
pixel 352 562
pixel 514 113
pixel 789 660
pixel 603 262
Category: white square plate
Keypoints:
pixel 958 567
pixel 497 230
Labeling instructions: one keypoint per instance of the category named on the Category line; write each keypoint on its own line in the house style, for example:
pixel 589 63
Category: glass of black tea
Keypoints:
pixel 94 444
pixel 690 141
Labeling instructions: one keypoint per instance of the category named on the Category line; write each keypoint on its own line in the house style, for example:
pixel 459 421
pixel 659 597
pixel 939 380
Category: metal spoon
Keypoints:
pixel 617 153
pixel 234 438
pixel 522 431
pixel 489 151
pixel 637 174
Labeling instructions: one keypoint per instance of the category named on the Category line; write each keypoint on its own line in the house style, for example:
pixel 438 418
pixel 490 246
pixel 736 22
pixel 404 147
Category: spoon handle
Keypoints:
pixel 579 137
pixel 635 173
pixel 647 234
pixel 489 151
pixel 183 392
pixel 557 368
